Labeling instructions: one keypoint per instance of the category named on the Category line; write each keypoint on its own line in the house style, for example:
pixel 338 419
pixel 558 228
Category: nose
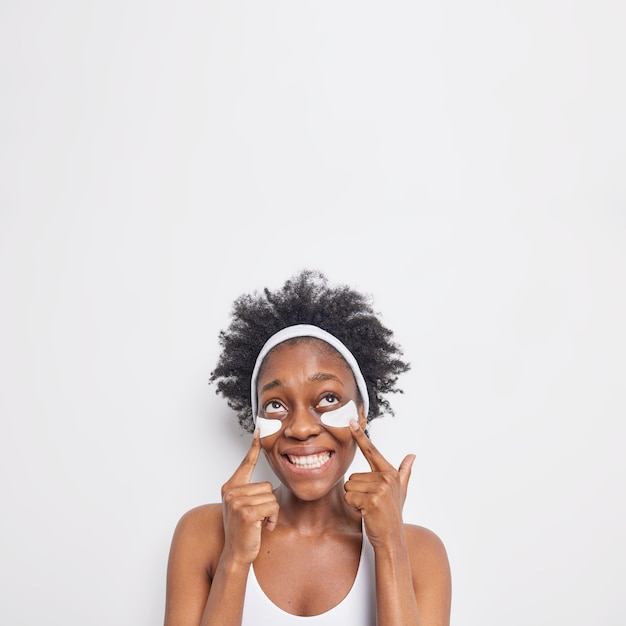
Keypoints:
pixel 302 423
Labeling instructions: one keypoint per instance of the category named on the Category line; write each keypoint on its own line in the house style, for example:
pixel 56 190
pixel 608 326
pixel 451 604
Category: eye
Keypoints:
pixel 274 409
pixel 330 400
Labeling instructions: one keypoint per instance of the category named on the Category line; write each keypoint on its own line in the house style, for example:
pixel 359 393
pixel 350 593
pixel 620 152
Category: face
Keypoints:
pixel 298 383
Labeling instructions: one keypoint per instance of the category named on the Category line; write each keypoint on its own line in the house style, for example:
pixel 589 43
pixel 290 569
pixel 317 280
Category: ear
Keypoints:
pixel 362 418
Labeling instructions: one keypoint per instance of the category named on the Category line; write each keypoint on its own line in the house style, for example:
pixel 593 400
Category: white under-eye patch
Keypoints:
pixel 341 417
pixel 267 427
pixel 338 418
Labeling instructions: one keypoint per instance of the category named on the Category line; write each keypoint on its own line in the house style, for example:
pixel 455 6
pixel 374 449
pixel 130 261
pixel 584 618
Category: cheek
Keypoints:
pixel 267 444
pixel 267 451
pixel 351 448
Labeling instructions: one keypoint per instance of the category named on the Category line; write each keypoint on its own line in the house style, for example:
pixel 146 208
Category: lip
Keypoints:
pixel 306 451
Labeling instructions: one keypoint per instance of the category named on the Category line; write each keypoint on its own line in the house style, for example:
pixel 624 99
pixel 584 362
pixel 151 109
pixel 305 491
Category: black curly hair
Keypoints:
pixel 307 298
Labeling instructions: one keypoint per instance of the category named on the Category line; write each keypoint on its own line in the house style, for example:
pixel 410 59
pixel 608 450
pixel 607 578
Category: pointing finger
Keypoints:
pixel 243 474
pixel 377 462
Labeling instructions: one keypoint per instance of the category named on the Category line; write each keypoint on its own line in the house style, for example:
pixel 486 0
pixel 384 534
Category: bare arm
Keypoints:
pixel 195 549
pixel 213 548
pixel 412 572
pixel 413 580
pixel 431 575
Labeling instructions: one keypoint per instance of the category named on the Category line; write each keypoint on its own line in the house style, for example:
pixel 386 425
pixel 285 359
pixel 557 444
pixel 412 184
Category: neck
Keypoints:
pixel 317 517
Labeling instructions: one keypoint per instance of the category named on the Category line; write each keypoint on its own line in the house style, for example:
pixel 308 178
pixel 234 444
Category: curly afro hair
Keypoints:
pixel 307 298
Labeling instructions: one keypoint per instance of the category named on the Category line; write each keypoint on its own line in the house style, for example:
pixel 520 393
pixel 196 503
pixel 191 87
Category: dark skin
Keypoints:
pixel 304 538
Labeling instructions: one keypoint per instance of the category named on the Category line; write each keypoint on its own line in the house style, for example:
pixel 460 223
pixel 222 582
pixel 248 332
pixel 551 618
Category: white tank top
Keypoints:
pixel 358 608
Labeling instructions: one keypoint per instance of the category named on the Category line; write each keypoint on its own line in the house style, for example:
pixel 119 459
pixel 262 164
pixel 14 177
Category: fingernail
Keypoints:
pixel 354 425
pixel 256 432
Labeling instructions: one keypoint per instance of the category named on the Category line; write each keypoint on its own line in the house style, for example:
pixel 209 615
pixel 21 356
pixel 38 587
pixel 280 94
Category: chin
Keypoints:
pixel 310 490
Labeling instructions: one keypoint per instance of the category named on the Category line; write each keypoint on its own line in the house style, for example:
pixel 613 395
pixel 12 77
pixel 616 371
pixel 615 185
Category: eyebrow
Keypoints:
pixel 324 376
pixel 273 383
pixel 314 377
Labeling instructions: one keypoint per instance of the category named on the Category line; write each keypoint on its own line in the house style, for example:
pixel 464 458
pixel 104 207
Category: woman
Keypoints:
pixel 305 368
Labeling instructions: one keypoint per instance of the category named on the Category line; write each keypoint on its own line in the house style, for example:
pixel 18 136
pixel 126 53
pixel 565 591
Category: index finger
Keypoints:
pixel 377 462
pixel 243 474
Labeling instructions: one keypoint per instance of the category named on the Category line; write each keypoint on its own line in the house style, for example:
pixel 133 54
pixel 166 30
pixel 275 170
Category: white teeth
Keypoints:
pixel 310 461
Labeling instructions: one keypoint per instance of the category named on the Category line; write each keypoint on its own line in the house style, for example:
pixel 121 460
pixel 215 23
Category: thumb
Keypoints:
pixel 405 471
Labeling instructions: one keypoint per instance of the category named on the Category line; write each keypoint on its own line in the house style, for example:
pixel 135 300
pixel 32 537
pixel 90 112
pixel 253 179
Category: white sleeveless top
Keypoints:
pixel 358 608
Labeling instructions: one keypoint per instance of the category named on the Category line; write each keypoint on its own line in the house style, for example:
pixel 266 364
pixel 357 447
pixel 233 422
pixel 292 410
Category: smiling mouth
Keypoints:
pixel 311 461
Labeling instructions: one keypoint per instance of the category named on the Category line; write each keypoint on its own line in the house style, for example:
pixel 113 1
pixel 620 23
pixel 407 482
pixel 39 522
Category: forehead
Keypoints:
pixel 303 351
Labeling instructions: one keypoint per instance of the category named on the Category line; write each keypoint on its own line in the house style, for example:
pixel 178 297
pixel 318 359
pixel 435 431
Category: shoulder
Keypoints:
pixel 196 547
pixel 199 536
pixel 200 517
pixel 429 558
pixel 424 541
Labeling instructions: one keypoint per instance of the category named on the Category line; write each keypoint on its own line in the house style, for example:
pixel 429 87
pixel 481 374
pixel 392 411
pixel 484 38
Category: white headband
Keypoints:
pixel 306 330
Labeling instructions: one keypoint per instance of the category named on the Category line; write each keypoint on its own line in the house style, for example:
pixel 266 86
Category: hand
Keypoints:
pixel 379 495
pixel 246 508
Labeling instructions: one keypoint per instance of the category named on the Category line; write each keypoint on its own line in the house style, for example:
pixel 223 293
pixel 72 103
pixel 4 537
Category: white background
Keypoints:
pixel 463 162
